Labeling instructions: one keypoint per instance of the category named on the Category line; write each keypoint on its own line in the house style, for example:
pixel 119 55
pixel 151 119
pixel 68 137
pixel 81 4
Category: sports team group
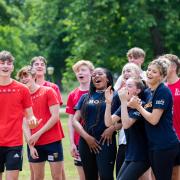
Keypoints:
pixel 129 130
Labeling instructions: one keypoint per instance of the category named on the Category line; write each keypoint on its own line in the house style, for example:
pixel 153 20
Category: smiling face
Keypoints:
pixel 83 74
pixel 129 72
pixel 154 76
pixel 26 79
pixel 99 79
pixel 131 86
pixel 40 67
pixel 6 68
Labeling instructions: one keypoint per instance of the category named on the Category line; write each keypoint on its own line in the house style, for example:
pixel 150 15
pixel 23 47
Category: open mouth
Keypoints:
pixel 5 70
pixel 97 81
pixel 81 77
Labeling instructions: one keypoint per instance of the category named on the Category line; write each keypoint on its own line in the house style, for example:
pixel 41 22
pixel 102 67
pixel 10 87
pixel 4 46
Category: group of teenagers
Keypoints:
pixel 142 109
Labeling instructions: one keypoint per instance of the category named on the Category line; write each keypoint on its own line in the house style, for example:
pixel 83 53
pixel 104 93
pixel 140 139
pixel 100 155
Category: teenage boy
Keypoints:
pixel 45 140
pixel 173 82
pixel 39 63
pixel 83 70
pixel 15 101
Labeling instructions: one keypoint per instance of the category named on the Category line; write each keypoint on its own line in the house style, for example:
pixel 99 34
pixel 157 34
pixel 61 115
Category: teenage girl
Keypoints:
pixel 162 140
pixel 136 159
pixel 98 156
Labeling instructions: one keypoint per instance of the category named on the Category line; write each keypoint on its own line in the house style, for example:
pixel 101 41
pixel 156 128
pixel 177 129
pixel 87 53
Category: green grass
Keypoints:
pixel 70 170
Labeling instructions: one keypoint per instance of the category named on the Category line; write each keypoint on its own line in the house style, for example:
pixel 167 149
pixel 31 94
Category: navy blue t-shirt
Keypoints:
pixel 137 145
pixel 94 111
pixel 161 135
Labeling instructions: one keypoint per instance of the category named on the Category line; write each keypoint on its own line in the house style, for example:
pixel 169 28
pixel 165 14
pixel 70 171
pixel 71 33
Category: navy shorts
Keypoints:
pixel 11 158
pixel 52 152
pixel 177 160
pixel 77 161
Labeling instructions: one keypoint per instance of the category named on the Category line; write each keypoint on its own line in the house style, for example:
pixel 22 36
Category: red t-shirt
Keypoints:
pixel 73 98
pixel 42 99
pixel 14 99
pixel 56 88
pixel 175 89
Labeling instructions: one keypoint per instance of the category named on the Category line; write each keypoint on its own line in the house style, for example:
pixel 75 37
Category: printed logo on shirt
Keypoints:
pixel 148 105
pixel 160 102
pixel 177 92
pixel 136 113
pixel 9 90
pixel 94 101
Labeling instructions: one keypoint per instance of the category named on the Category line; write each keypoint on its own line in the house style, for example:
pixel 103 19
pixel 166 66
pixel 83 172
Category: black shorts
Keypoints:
pixel 11 158
pixel 52 152
pixel 177 160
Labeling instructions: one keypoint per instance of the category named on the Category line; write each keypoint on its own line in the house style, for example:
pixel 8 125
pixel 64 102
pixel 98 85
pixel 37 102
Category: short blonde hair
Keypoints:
pixel 87 63
pixel 133 67
pixel 136 52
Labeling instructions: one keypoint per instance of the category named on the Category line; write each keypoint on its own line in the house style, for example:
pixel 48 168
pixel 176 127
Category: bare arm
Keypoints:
pixel 91 141
pixel 152 117
pixel 127 122
pixel 54 110
pixel 74 151
pixel 27 135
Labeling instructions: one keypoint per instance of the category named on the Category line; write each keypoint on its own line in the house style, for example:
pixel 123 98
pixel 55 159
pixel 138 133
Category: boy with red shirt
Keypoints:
pixel 39 63
pixel 173 82
pixel 48 135
pixel 14 101
pixel 82 70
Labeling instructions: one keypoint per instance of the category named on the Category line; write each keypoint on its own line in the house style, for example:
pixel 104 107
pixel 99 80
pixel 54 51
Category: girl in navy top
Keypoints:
pixel 97 153
pixel 136 157
pixel 162 140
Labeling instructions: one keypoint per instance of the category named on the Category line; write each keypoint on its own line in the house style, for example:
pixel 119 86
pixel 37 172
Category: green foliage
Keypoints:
pixel 104 30
pixel 101 31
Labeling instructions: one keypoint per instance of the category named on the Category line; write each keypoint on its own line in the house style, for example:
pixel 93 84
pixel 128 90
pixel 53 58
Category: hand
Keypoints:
pixel 33 152
pixel 33 122
pixel 74 151
pixel 134 102
pixel 107 135
pixel 33 139
pixel 109 95
pixel 123 94
pixel 93 144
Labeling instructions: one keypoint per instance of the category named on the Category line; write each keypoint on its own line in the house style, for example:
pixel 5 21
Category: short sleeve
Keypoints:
pixel 80 102
pixel 52 97
pixel 162 99
pixel 69 105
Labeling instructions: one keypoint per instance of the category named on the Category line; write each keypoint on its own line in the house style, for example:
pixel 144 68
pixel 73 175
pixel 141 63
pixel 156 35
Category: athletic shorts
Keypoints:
pixel 52 152
pixel 177 160
pixel 77 161
pixel 11 158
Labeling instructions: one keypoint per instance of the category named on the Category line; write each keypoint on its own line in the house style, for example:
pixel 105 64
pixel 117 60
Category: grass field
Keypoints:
pixel 71 173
